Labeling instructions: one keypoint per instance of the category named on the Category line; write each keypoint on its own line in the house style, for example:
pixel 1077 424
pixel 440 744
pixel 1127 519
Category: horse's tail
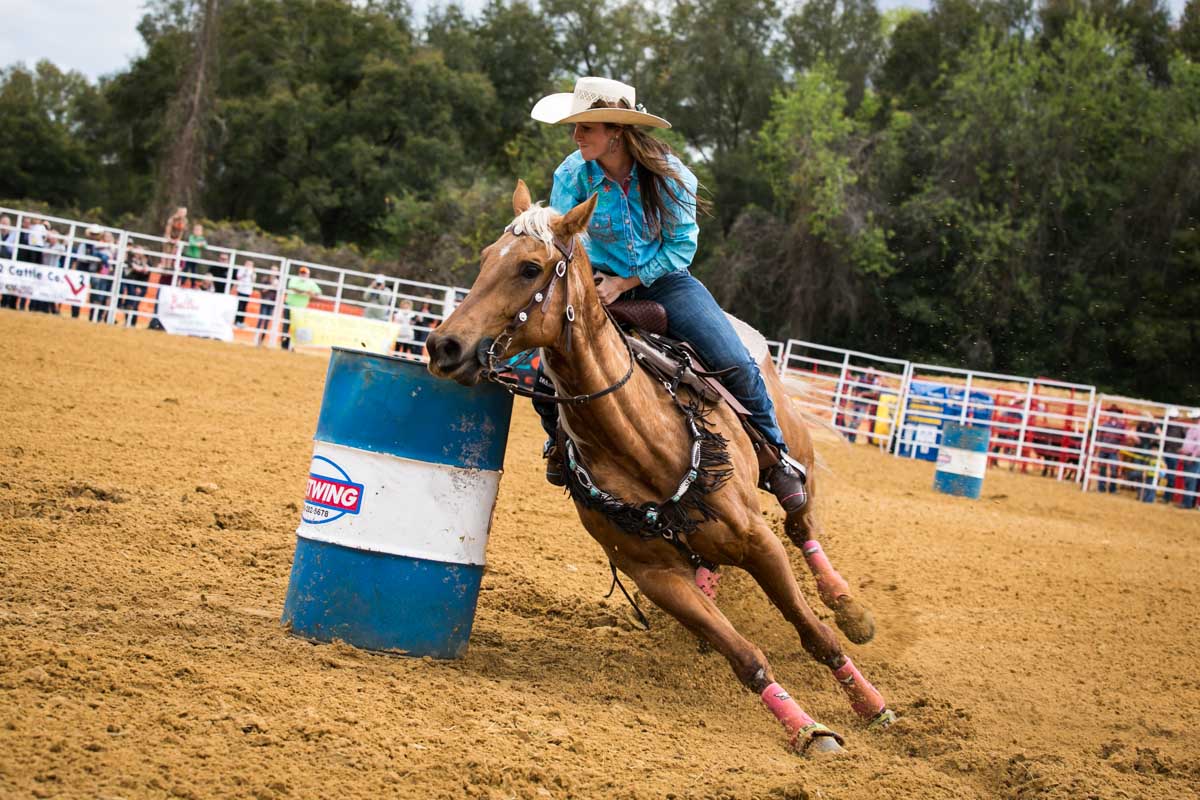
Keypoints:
pixel 805 400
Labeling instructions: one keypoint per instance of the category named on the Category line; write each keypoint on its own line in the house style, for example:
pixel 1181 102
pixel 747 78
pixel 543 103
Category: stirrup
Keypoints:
pixel 556 467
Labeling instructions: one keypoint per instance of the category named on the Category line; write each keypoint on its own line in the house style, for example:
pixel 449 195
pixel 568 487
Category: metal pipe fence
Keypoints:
pixel 114 276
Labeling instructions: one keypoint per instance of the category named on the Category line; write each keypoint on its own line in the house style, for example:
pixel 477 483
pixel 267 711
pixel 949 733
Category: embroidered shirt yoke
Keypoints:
pixel 617 237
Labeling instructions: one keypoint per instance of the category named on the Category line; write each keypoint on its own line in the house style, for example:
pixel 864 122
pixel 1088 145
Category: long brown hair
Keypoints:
pixel 657 179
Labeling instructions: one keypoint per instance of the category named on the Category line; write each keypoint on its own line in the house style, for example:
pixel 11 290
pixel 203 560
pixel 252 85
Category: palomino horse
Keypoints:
pixel 629 432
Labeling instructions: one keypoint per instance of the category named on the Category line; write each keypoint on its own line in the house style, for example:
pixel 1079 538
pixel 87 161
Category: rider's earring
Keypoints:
pixel 612 145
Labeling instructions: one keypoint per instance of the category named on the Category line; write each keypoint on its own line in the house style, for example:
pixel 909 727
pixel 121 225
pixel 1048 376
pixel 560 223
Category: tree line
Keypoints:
pixel 1006 185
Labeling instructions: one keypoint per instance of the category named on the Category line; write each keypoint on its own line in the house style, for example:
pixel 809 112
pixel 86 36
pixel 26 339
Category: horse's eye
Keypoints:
pixel 530 270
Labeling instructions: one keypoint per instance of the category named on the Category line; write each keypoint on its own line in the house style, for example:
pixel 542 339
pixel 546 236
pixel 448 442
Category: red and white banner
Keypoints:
pixel 192 312
pixel 49 284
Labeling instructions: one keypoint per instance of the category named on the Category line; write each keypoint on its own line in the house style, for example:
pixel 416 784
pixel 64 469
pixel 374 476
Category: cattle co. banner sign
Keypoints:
pixel 192 312
pixel 49 284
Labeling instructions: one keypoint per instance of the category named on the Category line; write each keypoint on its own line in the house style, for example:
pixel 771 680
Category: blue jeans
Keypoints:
pixel 695 317
pixel 1170 464
pixel 1107 470
pixel 1191 477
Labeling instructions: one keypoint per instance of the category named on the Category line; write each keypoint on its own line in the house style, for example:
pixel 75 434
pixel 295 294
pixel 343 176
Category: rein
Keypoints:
pixel 496 372
pixel 672 519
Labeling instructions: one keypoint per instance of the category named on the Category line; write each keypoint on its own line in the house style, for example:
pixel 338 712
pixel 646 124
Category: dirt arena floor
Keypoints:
pixel 1037 643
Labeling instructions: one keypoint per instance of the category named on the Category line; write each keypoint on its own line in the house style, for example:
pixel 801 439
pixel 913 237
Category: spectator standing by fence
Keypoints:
pixel 37 240
pixel 1110 433
pixel 1189 457
pixel 245 290
pixel 50 255
pixel 83 260
pixel 425 322
pixel 56 249
pixel 220 273
pixel 8 237
pixel 1147 439
pixel 378 299
pixel 266 305
pixel 193 252
pixel 24 250
pixel 403 317
pixel 101 283
pixel 1176 433
pixel 135 285
pixel 300 290
pixel 173 246
pixel 8 249
pixel 864 399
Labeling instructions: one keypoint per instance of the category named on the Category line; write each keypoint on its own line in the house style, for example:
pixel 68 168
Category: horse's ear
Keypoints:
pixel 576 220
pixel 521 199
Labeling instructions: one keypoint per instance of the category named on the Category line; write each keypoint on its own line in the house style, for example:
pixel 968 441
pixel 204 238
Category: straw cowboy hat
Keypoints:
pixel 576 106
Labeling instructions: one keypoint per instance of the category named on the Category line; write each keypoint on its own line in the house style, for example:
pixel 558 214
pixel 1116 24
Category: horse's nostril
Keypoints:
pixel 445 350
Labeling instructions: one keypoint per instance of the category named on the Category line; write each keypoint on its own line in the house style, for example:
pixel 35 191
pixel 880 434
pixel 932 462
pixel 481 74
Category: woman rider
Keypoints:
pixel 641 241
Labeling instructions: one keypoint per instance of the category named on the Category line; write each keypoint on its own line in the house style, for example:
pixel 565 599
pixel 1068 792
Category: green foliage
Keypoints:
pixel 847 34
pixel 808 148
pixel 41 153
pixel 992 183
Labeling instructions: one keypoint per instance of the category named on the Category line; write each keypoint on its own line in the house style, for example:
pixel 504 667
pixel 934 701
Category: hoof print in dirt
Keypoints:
pixel 235 521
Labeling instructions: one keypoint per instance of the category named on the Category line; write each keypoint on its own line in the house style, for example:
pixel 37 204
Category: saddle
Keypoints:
pixel 676 363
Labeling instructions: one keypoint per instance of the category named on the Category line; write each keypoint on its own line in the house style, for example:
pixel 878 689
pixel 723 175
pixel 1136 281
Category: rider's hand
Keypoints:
pixel 610 287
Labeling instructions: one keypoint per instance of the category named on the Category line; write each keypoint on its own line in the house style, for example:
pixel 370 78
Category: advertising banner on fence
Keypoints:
pixel 192 312
pixel 50 284
pixel 325 329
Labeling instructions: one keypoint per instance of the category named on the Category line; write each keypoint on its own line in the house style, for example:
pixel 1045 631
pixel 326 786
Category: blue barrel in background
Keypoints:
pixel 930 405
pixel 397 507
pixel 962 460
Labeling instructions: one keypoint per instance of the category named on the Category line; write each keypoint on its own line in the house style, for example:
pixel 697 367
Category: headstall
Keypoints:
pixel 498 372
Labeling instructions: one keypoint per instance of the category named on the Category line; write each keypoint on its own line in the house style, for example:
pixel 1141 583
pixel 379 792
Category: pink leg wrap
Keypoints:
pixel 830 584
pixel 707 580
pixel 786 709
pixel 865 699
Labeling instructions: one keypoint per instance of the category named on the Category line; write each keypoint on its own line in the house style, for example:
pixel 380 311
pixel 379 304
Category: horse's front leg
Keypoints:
pixel 767 561
pixel 854 618
pixel 673 590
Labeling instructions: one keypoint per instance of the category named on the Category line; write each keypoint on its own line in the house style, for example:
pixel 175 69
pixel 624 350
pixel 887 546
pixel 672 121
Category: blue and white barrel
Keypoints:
pixel 399 500
pixel 962 460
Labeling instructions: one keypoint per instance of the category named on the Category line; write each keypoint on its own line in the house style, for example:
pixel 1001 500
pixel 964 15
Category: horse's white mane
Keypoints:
pixel 535 221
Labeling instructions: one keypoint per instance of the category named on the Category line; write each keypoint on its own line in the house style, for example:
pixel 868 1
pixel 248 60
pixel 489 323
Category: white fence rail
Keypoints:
pixel 1144 446
pixel 122 277
pixel 1033 421
pixel 114 276
pixel 848 387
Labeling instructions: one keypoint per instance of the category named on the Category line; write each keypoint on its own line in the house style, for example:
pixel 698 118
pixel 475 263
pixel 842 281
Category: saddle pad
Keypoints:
pixel 755 342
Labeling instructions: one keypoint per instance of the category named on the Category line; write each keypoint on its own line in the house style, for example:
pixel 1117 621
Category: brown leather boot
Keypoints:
pixel 787 484
pixel 556 466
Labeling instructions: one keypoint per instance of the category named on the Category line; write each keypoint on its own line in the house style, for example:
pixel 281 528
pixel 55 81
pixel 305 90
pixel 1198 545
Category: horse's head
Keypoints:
pixel 513 271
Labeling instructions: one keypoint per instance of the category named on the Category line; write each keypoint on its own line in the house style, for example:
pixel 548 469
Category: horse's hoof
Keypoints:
pixel 882 721
pixel 817 740
pixel 823 746
pixel 855 620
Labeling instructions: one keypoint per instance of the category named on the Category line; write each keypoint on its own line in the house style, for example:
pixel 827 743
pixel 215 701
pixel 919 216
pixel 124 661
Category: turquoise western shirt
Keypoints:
pixel 617 239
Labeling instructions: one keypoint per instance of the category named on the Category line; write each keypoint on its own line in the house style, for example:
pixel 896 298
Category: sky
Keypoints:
pixel 99 37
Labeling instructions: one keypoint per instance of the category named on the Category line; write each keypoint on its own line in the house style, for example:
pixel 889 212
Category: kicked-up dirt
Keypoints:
pixel 1038 643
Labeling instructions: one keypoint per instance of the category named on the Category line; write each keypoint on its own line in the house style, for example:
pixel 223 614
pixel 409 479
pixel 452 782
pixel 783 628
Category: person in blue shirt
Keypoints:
pixel 641 241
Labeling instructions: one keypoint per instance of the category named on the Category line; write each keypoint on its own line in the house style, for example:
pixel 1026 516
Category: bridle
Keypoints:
pixel 491 359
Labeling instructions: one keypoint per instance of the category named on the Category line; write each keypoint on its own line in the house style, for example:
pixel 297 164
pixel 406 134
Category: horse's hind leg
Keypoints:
pixel 767 561
pixel 675 592
pixel 852 617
